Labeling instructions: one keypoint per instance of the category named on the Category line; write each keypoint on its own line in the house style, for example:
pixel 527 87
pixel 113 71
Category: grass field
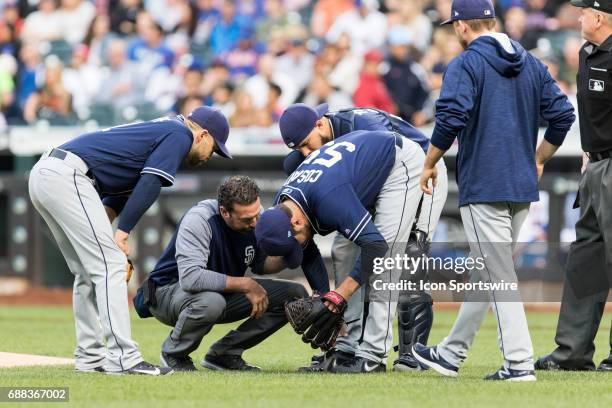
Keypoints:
pixel 49 331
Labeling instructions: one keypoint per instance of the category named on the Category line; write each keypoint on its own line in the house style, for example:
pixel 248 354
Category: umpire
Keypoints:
pixel 199 282
pixel 586 286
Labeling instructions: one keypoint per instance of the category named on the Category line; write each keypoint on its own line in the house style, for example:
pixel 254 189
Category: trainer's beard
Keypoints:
pixel 463 43
pixel 193 159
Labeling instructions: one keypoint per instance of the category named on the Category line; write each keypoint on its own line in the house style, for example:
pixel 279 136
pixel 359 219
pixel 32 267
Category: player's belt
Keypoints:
pixel 399 142
pixel 597 156
pixel 72 160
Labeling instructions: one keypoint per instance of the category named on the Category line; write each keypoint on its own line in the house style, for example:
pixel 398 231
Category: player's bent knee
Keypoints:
pixel 208 307
pixel 296 290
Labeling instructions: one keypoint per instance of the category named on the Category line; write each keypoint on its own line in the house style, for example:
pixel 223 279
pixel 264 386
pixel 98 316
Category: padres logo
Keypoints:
pixel 249 254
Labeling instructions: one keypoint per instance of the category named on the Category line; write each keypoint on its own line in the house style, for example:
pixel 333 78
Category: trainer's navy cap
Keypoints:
pixel 275 237
pixel 601 5
pixel 216 123
pixel 298 120
pixel 470 10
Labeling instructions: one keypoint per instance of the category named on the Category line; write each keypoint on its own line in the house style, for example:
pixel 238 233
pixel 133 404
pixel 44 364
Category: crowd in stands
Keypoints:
pixel 112 61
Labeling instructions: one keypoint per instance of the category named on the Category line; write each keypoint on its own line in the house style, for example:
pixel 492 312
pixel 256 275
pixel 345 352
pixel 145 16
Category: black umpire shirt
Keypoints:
pixel 594 83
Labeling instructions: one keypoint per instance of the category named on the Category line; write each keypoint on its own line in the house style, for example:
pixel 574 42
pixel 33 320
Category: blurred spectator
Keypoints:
pixel 43 24
pixel 365 26
pixel 216 75
pixel 326 12
pixel 569 69
pixel 51 101
pixel 11 15
pixel 321 91
pixel 75 17
pixel 97 40
pixel 273 108
pixel 191 88
pixel 250 10
pixel 258 86
pixel 406 80
pixel 297 62
pixel 8 40
pixel 8 69
pixel 206 18
pixel 123 15
pixel 81 79
pixel 31 71
pixel 222 99
pixel 149 50
pixel 441 11
pixel 371 91
pixel 345 74
pixel 245 114
pixel 167 13
pixel 416 23
pixel 226 32
pixel 516 27
pixel 186 105
pixel 274 18
pixel 120 85
pixel 242 60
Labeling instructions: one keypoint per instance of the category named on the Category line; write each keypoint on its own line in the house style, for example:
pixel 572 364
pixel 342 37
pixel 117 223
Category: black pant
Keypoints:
pixel 193 315
pixel 588 268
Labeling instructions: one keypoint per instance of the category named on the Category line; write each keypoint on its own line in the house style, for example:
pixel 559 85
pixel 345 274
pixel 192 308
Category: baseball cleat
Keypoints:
pixel 177 363
pixel 143 368
pixel 407 362
pixel 322 362
pixel 357 365
pixel 508 374
pixel 429 357
pixel 227 363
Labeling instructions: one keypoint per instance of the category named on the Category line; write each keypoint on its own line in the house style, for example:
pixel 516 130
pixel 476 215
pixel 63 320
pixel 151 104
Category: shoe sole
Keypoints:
pixel 403 368
pixel 214 367
pixel 526 378
pixel 436 367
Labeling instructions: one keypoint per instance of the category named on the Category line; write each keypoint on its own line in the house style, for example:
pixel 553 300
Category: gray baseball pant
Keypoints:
pixel 193 315
pixel 492 230
pixel 68 202
pixel 345 255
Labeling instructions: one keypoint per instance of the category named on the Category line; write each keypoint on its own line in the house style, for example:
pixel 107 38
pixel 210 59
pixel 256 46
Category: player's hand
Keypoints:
pixel 258 297
pixel 429 174
pixel 540 170
pixel 121 238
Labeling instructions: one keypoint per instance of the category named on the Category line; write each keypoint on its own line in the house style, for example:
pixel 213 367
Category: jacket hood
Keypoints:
pixel 506 56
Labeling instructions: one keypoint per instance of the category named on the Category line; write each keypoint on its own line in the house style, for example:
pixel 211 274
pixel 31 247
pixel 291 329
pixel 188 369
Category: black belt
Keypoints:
pixel 61 154
pixel 597 156
pixel 58 154
pixel 399 142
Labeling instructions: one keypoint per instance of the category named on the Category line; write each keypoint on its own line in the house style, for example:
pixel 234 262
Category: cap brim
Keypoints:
pixel 447 22
pixel 579 3
pixel 322 109
pixel 223 151
pixel 295 257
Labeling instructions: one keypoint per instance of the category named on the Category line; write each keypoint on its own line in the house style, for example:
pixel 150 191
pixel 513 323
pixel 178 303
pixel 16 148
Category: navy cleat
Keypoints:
pixel 508 374
pixel 429 357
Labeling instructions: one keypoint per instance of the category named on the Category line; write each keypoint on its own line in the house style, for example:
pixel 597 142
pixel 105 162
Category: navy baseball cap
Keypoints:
pixel 601 5
pixel 470 10
pixel 216 123
pixel 275 237
pixel 298 120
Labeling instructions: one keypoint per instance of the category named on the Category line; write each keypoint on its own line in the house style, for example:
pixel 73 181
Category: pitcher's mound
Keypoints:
pixel 27 360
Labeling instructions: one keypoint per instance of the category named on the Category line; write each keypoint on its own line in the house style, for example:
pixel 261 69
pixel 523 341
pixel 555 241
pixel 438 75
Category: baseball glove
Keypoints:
pixel 318 324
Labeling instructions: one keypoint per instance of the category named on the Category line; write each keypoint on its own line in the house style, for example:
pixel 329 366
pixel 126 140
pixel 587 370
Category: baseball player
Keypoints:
pixel 334 189
pixel 305 130
pixel 80 187
pixel 498 170
pixel 199 281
